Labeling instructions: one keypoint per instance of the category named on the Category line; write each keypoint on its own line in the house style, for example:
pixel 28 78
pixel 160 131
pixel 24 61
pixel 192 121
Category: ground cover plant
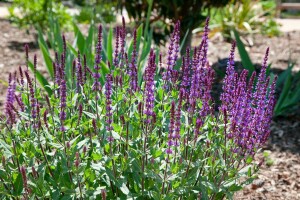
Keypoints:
pixel 138 134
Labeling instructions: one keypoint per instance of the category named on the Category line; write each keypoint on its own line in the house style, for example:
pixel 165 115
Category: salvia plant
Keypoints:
pixel 158 138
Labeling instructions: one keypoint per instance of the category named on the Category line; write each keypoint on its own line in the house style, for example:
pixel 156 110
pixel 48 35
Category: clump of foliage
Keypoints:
pixel 26 13
pixel 159 13
pixel 246 16
pixel 137 134
pixel 99 11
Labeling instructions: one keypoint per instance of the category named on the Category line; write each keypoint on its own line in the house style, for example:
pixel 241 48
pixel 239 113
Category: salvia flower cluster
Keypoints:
pixel 117 129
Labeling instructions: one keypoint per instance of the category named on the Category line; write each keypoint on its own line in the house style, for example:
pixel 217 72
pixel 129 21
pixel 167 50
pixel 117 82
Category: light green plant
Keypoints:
pixel 28 13
pixel 247 17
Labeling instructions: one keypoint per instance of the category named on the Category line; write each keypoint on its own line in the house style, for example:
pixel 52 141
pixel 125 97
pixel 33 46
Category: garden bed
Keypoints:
pixel 279 177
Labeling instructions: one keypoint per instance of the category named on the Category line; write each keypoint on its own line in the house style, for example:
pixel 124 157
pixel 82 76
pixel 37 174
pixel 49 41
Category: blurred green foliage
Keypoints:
pixel 99 11
pixel 27 13
pixel 246 16
pixel 189 12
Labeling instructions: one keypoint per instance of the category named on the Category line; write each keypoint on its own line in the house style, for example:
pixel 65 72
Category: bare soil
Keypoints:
pixel 279 177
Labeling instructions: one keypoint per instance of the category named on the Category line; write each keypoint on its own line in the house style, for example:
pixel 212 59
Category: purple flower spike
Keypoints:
pixel 199 123
pixel 108 94
pixel 205 43
pixel 63 102
pixel 172 54
pixel 35 66
pixel 33 102
pixel 84 68
pixel 149 86
pixel 64 46
pixel 116 52
pixel 10 97
pixel 79 74
pixel 110 139
pixel 133 67
pixel 24 177
pixel 258 95
pixel 169 150
pixel 122 38
pixel 185 83
pixel 172 119
pixel 20 102
pixel 228 86
pixel 98 58
pixel 176 135
pixel 249 113
pixel 79 113
pixel 45 119
pixel 21 77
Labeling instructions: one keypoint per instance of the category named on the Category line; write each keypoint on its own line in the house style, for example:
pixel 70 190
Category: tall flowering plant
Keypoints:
pixel 158 139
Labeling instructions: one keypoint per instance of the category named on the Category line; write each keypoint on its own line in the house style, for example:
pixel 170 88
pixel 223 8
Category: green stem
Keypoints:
pixel 165 175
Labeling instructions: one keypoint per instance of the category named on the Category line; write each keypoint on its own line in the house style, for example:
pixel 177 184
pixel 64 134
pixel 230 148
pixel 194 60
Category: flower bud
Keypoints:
pixel 34 172
pixel 68 145
pixel 3 161
pixel 77 159
pixel 84 149
pixel 23 173
pixel 122 119
pixel 103 194
pixel 94 125
pixel 76 163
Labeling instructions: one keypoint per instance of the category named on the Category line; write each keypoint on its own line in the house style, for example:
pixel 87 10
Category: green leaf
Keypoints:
pixel 183 40
pixel 89 40
pixel 124 189
pixel 80 41
pixel 150 3
pixel 283 95
pixel 249 159
pixel 104 70
pixel 47 58
pixel 246 61
pixel 109 46
pixel 284 75
pixel 18 185
pixel 41 39
pixel 7 152
pixel 97 167
pixel 91 115
pixel 74 99
pixel 58 36
pixel 73 50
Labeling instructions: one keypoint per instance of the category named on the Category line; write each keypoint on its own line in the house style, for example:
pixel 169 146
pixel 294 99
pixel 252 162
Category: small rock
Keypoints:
pixel 257 184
